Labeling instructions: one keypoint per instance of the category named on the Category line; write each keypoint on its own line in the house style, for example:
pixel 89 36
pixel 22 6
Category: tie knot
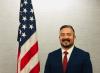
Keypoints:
pixel 65 52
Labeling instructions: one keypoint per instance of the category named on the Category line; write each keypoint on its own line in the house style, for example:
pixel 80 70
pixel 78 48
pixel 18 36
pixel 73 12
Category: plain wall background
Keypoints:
pixel 83 15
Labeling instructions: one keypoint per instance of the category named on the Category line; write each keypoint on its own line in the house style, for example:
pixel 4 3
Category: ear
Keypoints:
pixel 74 36
pixel 59 36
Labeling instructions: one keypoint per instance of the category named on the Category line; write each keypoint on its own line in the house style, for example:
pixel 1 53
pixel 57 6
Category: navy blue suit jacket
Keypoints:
pixel 79 62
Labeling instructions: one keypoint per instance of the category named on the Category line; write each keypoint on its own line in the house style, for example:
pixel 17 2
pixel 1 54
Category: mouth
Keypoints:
pixel 65 40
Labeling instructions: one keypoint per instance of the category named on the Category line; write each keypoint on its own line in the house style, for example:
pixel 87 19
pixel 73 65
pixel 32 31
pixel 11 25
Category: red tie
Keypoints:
pixel 65 61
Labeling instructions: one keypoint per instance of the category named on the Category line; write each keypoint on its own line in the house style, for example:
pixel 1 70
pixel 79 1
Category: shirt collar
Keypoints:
pixel 69 50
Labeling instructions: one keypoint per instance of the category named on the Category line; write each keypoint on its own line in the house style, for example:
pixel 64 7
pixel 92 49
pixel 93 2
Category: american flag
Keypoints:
pixel 27 61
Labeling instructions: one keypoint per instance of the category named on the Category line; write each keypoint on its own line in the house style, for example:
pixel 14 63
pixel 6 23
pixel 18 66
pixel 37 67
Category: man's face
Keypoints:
pixel 66 37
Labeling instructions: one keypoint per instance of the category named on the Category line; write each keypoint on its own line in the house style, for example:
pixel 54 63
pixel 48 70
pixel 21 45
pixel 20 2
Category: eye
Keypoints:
pixel 69 34
pixel 62 34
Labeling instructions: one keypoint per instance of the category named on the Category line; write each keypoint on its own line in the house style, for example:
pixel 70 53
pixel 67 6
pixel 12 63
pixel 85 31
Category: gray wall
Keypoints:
pixel 83 15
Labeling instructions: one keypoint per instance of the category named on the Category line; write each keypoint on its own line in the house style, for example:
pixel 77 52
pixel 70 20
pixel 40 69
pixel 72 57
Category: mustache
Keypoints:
pixel 66 40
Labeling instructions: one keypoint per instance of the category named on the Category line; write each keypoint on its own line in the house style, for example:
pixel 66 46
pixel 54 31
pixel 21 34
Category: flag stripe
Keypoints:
pixel 32 63
pixel 29 55
pixel 35 69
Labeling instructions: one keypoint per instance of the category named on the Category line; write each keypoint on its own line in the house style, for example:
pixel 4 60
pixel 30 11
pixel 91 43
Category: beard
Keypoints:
pixel 66 43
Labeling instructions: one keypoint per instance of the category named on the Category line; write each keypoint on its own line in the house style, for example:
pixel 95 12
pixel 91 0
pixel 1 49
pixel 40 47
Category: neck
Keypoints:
pixel 67 48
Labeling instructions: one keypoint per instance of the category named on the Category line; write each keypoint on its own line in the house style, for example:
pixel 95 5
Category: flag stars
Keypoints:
pixel 31 18
pixel 31 27
pixel 24 10
pixel 24 27
pixel 27 21
pixel 24 19
pixel 24 35
pixel 21 5
pixel 25 2
pixel 20 39
pixel 20 31
pixel 31 10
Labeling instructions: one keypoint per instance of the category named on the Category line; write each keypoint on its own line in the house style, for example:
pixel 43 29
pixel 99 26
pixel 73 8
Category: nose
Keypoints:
pixel 66 36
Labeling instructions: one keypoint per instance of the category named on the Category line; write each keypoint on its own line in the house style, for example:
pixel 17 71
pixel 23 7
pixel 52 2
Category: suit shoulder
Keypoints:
pixel 80 51
pixel 55 52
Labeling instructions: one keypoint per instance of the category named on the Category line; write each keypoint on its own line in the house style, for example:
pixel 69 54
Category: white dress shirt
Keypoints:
pixel 69 52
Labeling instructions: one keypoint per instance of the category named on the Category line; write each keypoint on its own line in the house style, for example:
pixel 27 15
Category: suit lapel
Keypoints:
pixel 72 58
pixel 72 54
pixel 60 60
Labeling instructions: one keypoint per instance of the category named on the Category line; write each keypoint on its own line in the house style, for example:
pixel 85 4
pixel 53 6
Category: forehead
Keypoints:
pixel 66 30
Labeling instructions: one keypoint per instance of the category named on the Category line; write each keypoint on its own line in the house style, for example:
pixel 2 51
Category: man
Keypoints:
pixel 68 59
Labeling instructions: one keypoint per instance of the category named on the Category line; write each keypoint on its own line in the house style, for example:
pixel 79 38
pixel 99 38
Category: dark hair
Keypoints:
pixel 67 26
